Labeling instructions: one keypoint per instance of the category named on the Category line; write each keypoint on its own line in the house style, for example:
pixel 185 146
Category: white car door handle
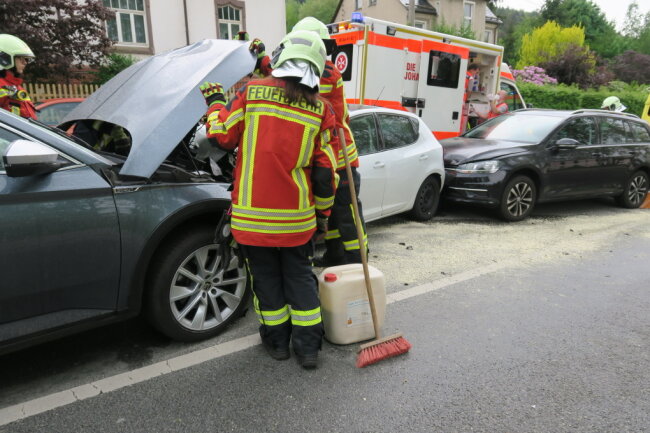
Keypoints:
pixel 379 165
pixel 423 157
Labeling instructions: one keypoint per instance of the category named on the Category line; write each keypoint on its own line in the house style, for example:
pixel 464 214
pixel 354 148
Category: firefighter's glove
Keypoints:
pixel 257 48
pixel 213 93
pixel 9 91
pixel 321 227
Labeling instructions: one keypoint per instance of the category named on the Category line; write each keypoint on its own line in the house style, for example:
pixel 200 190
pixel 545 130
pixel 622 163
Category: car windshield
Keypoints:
pixel 527 128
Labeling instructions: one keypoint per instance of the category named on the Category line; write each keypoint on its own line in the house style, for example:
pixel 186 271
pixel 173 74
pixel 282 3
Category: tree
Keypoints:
pixel 600 34
pixel 464 31
pixel 632 67
pixel 61 33
pixel 547 42
pixel 322 10
pixel 112 65
pixel 637 29
pixel 516 24
pixel 292 10
pixel 576 65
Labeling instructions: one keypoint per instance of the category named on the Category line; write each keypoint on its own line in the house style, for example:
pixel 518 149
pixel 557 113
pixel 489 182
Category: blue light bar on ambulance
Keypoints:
pixel 357 17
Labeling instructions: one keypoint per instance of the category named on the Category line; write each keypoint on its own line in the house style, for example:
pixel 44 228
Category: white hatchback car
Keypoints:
pixel 401 163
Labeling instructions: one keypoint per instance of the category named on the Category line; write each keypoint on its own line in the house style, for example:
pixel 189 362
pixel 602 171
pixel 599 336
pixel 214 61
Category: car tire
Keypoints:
pixel 518 199
pixel 426 200
pixel 635 192
pixel 190 296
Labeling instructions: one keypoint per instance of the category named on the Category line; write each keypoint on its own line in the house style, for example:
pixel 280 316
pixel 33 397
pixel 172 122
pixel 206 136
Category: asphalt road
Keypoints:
pixel 540 326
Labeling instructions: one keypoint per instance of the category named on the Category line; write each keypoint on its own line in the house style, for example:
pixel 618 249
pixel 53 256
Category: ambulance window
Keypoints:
pixel 512 99
pixel 444 69
pixel 364 131
pixel 396 131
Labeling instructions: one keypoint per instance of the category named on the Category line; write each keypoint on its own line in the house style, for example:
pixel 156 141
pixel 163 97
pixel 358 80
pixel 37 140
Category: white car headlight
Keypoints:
pixel 479 167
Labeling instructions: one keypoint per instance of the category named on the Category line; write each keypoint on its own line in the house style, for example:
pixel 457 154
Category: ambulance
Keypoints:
pixel 407 68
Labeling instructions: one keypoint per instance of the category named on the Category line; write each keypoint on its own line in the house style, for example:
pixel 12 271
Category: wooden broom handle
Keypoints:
pixel 362 246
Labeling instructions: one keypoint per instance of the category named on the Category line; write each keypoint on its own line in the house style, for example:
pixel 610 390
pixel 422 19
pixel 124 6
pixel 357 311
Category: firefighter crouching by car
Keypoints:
pixel 14 56
pixel 284 187
pixel 341 241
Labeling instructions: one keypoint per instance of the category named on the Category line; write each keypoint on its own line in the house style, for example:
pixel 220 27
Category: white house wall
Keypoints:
pixel 265 19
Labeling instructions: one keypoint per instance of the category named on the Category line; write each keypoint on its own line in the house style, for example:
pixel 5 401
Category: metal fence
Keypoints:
pixel 39 92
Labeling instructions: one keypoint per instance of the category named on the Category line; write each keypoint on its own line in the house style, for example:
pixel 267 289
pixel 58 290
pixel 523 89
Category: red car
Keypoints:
pixel 52 111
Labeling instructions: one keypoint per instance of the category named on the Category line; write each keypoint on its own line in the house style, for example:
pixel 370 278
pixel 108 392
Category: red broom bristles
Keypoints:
pixel 382 350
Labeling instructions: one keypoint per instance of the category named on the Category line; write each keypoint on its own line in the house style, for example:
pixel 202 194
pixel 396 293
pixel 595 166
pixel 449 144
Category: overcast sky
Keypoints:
pixel 614 10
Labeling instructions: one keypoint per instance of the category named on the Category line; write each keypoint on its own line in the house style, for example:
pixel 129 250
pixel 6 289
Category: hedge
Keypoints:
pixel 564 97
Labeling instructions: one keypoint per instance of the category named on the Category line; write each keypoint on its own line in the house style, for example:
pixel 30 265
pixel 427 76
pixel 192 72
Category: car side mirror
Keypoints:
pixel 27 158
pixel 566 144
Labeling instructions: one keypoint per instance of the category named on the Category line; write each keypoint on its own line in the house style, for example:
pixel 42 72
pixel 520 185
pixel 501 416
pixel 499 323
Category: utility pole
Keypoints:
pixel 411 14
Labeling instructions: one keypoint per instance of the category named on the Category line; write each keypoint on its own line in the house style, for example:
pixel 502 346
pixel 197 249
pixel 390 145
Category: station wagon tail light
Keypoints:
pixel 480 167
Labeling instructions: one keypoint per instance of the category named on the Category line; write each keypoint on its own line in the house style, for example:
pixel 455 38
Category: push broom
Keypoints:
pixel 380 348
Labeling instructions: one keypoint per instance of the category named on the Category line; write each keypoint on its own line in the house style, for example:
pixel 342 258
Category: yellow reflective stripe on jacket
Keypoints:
pixel 339 83
pixel 325 138
pixel 306 318
pixel 332 234
pixel 249 144
pixel 271 318
pixel 323 203
pixel 283 113
pixel 273 214
pixel 270 227
pixel 298 173
pixel 352 156
pixel 325 88
pixel 217 127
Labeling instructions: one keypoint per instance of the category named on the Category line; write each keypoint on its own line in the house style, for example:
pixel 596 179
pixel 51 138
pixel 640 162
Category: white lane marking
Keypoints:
pixel 52 401
pixel 43 404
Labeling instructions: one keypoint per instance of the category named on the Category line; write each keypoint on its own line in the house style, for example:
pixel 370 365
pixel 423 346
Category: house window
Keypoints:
pixel 372 2
pixel 488 37
pixel 469 13
pixel 420 24
pixel 230 21
pixel 129 25
pixel 358 4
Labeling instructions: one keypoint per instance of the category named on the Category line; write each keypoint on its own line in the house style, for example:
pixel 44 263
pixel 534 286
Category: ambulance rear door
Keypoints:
pixel 347 58
pixel 441 86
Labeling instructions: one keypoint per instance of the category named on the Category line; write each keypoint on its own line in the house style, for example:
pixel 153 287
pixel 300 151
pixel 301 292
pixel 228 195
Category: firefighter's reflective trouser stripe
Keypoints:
pixel 286 295
pixel 341 239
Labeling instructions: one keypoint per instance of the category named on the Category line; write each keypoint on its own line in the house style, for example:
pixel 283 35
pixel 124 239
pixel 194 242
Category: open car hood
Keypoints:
pixel 158 99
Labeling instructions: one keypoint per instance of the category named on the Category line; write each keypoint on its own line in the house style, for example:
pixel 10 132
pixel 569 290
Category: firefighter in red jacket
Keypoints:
pixel 14 56
pixel 283 188
pixel 341 241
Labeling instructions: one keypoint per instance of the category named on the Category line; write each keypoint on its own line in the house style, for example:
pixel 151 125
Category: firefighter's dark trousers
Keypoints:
pixel 341 241
pixel 286 296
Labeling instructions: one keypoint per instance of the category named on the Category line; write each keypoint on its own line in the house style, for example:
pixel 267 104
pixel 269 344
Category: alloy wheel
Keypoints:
pixel 638 190
pixel 519 199
pixel 204 291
